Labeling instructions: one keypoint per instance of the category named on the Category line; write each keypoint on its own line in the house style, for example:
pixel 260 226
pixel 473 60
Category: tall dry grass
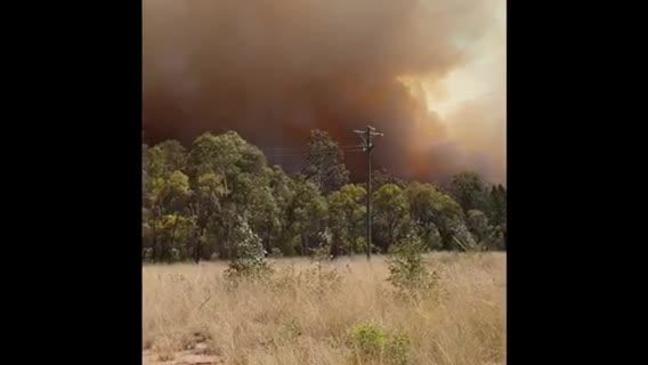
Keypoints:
pixel 302 317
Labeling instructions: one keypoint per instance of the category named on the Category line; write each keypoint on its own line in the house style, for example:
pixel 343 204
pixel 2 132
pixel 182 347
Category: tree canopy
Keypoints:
pixel 198 199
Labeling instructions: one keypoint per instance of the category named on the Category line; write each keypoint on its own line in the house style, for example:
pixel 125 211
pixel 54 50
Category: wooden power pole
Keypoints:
pixel 367 146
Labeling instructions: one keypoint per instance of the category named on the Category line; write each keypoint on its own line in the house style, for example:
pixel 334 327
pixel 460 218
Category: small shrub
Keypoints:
pixel 369 340
pixel 373 343
pixel 249 257
pixel 398 349
pixel 407 272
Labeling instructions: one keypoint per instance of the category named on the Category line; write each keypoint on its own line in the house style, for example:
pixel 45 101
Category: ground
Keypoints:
pixel 305 313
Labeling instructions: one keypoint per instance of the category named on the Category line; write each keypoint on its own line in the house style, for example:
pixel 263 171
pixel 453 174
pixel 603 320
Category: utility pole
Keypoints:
pixel 367 146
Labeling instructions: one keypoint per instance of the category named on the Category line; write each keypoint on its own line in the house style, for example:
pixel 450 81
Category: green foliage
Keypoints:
pixel 373 343
pixel 307 216
pixel 407 272
pixel 324 164
pixel 195 199
pixel 169 193
pixel 205 205
pixel 398 349
pixel 382 177
pixel 487 236
pixel 463 239
pixel 211 186
pixel 226 154
pixel 229 174
pixel 171 231
pixel 432 212
pixel 346 218
pixel 470 191
pixel 369 339
pixel 489 226
pixel 323 252
pixel 164 158
pixel 498 205
pixel 264 211
pixel 248 259
pixel 281 185
pixel 497 214
pixel 391 217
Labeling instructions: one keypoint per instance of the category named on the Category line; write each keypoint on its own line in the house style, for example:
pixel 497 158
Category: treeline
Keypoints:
pixel 199 203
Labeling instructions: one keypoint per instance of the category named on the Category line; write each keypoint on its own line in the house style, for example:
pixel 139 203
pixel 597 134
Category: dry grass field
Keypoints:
pixel 305 315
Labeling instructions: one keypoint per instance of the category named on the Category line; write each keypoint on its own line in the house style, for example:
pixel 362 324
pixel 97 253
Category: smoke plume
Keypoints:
pixel 274 69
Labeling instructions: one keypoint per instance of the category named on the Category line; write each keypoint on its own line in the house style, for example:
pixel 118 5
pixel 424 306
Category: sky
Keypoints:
pixel 431 74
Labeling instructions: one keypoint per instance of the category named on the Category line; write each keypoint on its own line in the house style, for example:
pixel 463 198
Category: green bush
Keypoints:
pixel 249 258
pixel 398 349
pixel 369 340
pixel 407 272
pixel 372 343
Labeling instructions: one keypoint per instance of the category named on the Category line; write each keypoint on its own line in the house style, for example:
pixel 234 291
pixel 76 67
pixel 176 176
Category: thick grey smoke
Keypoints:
pixel 275 69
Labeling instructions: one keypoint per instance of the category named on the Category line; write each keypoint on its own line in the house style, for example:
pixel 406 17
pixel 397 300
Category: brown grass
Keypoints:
pixel 297 319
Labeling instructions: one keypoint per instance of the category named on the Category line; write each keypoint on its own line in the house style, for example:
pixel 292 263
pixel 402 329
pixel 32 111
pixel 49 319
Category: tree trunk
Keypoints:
pixel 335 247
pixel 197 246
